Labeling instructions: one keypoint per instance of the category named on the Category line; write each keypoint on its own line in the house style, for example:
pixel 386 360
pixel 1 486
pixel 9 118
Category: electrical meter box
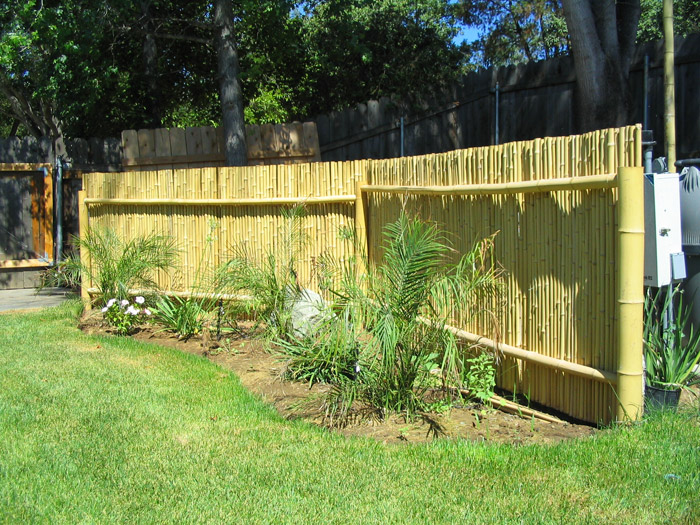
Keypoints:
pixel 663 252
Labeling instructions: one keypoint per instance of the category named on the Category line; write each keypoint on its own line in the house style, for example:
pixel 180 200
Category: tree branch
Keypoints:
pixel 186 38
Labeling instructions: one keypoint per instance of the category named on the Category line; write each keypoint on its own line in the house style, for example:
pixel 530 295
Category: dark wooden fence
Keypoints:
pixel 534 100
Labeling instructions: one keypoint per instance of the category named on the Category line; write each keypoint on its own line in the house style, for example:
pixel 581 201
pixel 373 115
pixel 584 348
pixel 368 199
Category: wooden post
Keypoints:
pixel 82 230
pixel 47 214
pixel 630 294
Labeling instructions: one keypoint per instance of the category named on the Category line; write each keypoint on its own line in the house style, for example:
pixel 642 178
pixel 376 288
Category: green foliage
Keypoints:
pixel 124 315
pixel 270 282
pixel 184 316
pixel 65 274
pixel 269 106
pixel 686 19
pixel 480 376
pixel 362 49
pixel 396 316
pixel 330 355
pixel 515 32
pixel 116 266
pixel 672 347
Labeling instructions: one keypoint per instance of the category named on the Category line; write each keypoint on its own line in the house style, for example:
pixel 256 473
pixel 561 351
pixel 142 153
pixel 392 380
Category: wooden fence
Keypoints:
pixel 534 100
pixel 26 223
pixel 204 147
pixel 554 206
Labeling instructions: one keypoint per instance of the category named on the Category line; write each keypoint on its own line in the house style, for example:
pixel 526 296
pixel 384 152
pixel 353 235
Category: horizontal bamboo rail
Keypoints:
pixel 564 184
pixel 184 295
pixel 505 405
pixel 588 372
pixel 270 201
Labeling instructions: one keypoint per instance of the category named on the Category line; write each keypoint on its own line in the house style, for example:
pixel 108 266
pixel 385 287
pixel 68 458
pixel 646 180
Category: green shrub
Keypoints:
pixel 184 316
pixel 671 344
pixel 399 311
pixel 267 286
pixel 124 315
pixel 330 355
pixel 116 266
pixel 480 376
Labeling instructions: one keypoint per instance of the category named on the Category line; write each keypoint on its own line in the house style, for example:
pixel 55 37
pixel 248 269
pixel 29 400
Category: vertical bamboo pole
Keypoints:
pixel 83 218
pixel 361 226
pixel 669 86
pixel 630 294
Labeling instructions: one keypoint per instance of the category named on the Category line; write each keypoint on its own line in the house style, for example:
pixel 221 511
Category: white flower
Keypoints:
pixel 146 311
pixel 132 310
pixel 105 309
pixel 139 299
pixel 125 302
pixel 111 302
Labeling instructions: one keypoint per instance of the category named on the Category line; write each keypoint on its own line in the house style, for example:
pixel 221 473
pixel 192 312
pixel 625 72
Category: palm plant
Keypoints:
pixel 269 284
pixel 187 316
pixel 399 311
pixel 116 266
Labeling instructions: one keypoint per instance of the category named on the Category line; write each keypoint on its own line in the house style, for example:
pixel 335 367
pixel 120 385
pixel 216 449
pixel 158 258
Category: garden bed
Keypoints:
pixel 262 373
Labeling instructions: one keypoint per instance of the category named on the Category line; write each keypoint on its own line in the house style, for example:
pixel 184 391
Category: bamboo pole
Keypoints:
pixel 270 201
pixel 563 184
pixel 602 376
pixel 630 294
pixel 669 86
pixel 83 225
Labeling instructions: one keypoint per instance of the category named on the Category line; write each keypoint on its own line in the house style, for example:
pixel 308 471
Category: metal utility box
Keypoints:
pixel 663 252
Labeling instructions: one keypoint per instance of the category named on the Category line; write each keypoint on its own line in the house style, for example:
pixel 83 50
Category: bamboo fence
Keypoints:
pixel 551 204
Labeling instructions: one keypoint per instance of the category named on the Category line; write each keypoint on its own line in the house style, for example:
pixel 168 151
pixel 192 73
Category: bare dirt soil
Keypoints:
pixel 262 373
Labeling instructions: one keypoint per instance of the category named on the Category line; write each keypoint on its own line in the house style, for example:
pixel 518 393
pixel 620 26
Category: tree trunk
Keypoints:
pixel 149 53
pixel 229 86
pixel 602 42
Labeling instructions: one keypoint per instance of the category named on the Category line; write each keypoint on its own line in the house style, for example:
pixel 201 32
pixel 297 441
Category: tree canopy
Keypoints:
pixel 89 68
pixel 93 68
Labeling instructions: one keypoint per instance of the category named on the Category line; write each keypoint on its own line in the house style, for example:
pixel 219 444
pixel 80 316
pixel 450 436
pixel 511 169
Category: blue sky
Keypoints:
pixel 467 34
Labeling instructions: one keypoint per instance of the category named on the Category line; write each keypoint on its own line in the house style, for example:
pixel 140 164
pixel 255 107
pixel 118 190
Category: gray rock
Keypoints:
pixel 307 311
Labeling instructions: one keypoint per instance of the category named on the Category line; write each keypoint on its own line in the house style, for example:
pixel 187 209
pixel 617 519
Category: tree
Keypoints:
pixel 603 35
pixel 686 19
pixel 229 87
pixel 363 49
pixel 88 68
pixel 513 32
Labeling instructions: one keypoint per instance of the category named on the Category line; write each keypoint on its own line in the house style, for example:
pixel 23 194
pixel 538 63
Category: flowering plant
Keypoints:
pixel 123 315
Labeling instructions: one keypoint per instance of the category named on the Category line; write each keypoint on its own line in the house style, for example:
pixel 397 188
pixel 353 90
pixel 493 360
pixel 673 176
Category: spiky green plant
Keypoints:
pixel 400 310
pixel 671 349
pixel 187 316
pixel 116 266
pixel 270 283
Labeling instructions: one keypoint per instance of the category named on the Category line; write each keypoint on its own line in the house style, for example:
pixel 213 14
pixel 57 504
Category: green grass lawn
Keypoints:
pixel 110 430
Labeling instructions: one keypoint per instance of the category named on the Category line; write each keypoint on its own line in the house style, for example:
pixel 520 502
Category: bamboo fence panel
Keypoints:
pixel 558 250
pixel 557 243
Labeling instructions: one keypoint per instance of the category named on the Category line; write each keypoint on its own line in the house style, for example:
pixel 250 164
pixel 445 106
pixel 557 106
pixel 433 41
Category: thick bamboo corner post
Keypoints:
pixel 630 294
pixel 361 229
pixel 83 228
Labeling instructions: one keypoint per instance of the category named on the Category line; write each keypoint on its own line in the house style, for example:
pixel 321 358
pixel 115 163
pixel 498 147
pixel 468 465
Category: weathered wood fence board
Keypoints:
pixel 550 205
pixel 203 147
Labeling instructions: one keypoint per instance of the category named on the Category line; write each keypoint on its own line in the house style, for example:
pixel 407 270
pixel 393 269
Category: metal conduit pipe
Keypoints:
pixel 58 210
